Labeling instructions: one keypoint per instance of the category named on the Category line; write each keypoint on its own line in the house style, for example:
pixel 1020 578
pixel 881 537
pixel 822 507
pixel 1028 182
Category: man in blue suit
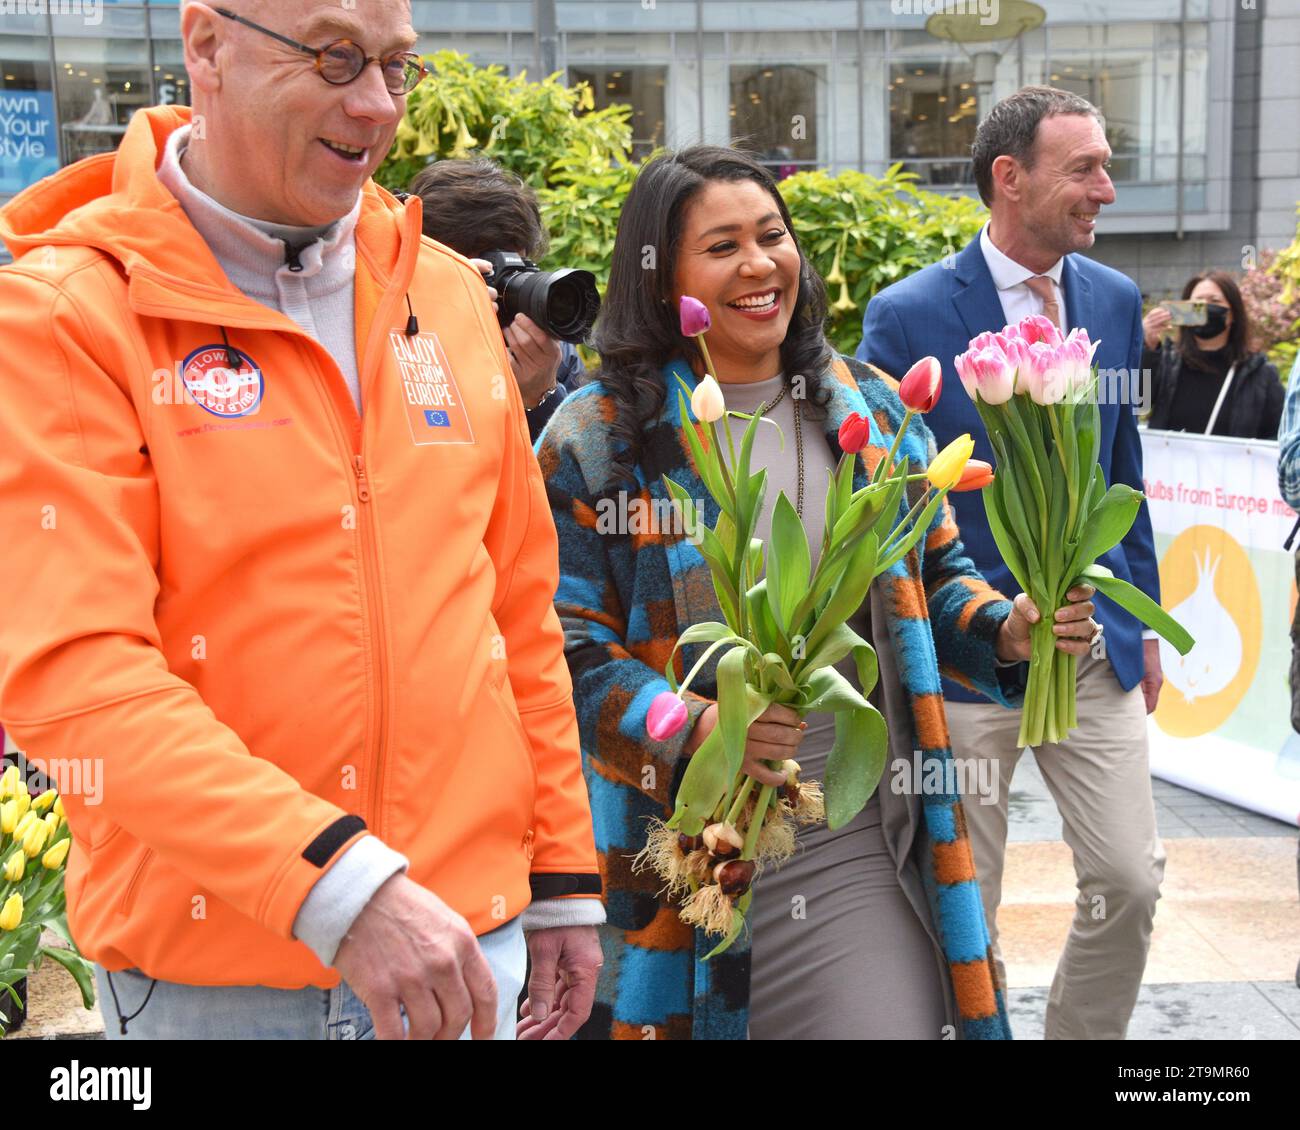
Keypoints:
pixel 1040 161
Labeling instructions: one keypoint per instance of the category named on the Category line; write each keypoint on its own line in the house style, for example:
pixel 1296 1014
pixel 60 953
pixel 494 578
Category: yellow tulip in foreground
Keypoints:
pixel 8 817
pixel 12 913
pixel 15 866
pixel 34 840
pixel 25 821
pixel 9 782
pixel 57 854
pixel 950 462
pixel 45 801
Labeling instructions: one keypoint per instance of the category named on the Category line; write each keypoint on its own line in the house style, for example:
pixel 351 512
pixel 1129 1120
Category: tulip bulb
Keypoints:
pixel 734 876
pixel 723 839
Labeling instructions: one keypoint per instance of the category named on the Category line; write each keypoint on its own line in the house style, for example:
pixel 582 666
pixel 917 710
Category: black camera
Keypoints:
pixel 563 303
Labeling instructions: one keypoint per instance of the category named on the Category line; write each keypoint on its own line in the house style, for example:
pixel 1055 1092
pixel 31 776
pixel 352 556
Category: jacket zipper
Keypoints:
pixel 370 557
pixel 370 567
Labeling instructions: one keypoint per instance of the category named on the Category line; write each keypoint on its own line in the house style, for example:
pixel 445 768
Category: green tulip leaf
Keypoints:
pixel 1134 600
pixel 856 763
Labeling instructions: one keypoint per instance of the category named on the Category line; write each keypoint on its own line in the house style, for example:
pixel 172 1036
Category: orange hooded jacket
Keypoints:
pixel 252 617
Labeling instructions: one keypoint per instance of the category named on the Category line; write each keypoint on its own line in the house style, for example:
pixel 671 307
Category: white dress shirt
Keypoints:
pixel 1018 301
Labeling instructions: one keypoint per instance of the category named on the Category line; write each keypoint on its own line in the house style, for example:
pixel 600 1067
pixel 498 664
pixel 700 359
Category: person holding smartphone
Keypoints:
pixel 1206 378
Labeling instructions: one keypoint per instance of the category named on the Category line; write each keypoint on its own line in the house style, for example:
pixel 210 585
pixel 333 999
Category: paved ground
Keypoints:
pixel 1227 930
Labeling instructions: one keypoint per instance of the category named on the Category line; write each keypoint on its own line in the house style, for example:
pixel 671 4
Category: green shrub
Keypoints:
pixel 864 232
pixel 867 230
pixel 462 110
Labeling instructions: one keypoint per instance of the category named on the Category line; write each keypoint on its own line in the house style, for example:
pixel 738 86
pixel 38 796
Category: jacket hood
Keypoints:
pixel 116 204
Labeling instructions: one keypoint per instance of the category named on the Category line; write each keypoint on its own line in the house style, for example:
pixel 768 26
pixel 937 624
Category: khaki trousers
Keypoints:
pixel 1100 780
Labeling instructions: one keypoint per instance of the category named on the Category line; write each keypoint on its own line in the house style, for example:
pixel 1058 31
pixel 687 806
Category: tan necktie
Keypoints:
pixel 1042 286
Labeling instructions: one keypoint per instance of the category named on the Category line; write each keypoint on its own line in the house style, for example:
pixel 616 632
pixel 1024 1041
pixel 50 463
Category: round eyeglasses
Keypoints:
pixel 342 61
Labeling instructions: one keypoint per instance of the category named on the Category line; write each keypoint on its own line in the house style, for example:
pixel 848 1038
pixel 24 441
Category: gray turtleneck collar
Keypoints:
pixel 319 296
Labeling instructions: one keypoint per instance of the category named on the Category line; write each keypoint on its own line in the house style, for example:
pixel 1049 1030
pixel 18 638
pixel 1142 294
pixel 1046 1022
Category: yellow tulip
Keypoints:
pixel 15 865
pixel 9 782
pixel 35 840
pixel 12 914
pixel 24 823
pixel 23 799
pixel 57 854
pixel 58 807
pixel 8 817
pixel 950 462
pixel 45 801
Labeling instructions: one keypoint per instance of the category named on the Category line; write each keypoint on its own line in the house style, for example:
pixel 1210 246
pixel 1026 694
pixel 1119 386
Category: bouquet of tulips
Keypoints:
pixel 34 843
pixel 783 630
pixel 1048 508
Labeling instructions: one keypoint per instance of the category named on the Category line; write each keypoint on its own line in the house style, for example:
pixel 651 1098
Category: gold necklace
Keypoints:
pixel 798 440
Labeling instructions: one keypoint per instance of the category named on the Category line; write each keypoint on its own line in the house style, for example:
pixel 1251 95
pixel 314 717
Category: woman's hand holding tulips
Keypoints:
pixel 773 736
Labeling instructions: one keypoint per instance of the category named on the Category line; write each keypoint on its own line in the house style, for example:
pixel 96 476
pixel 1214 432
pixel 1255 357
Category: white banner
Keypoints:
pixel 1223 726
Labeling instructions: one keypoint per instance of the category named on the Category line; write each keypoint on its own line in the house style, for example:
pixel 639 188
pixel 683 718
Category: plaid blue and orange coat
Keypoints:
pixel 628 588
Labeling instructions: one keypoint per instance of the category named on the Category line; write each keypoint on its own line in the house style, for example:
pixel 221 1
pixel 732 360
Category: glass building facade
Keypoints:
pixel 815 83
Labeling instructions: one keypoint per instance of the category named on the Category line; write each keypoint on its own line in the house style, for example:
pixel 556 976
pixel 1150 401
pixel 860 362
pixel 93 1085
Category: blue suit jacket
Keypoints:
pixel 936 312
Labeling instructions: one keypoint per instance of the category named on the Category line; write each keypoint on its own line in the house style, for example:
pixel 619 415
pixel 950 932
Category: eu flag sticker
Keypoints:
pixel 435 412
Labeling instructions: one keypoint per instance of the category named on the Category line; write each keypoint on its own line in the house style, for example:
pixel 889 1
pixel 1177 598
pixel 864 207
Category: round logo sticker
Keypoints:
pixel 219 389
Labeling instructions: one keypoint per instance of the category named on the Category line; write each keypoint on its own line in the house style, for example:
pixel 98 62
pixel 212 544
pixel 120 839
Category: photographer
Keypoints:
pixel 475 207
pixel 1207 379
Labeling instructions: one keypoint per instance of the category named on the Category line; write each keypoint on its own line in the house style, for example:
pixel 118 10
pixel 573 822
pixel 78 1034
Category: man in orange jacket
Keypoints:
pixel 280 566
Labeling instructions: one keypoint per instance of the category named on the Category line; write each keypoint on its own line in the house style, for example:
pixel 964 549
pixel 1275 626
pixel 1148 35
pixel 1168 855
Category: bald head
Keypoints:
pixel 272 139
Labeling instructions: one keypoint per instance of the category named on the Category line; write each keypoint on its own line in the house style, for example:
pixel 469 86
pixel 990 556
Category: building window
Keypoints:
pixel 101 83
pixel 642 88
pixel 933 112
pixel 774 110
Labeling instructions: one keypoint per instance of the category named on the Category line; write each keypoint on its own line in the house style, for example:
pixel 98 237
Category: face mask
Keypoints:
pixel 1216 321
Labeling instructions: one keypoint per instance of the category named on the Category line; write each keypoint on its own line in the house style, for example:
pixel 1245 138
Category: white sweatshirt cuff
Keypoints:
pixel 547 914
pixel 342 893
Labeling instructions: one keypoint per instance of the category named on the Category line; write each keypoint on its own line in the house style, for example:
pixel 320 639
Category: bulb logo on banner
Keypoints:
pixel 1209 666
pixel 1209 586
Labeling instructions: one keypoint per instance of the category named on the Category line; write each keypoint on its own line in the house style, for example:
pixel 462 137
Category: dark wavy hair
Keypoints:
pixel 638 331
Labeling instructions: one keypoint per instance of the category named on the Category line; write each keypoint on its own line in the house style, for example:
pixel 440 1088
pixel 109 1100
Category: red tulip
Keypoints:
pixel 921 387
pixel 976 476
pixel 694 316
pixel 855 433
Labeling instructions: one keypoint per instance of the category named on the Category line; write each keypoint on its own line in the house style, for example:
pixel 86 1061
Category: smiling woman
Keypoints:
pixel 872 956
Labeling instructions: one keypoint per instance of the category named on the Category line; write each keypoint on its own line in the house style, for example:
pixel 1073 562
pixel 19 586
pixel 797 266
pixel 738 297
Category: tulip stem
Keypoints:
pixel 756 822
pixel 893 450
pixel 742 795
pixel 702 660
pixel 1071 485
pixel 900 531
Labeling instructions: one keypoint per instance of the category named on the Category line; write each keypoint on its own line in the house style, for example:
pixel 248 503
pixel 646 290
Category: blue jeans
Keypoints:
pixel 253 1012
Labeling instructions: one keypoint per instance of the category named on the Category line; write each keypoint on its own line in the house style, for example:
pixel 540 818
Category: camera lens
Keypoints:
pixel 564 304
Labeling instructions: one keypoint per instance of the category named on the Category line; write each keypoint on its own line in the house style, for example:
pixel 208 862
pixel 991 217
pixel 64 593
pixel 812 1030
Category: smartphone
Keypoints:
pixel 1186 313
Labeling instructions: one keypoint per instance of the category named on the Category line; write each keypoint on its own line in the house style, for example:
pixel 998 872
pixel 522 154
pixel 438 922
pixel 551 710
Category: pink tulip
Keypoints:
pixel 920 389
pixel 694 316
pixel 667 715
pixel 1035 328
pixel 987 371
pixel 1044 373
